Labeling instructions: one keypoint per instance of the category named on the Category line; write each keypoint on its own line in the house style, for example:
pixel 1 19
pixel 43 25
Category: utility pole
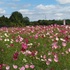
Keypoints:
pixel 64 22
pixel 45 17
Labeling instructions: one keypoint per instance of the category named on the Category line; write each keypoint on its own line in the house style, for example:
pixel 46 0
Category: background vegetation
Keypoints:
pixel 16 19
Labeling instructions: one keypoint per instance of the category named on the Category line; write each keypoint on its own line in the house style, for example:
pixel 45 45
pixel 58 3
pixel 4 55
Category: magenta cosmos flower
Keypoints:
pixel 24 47
pixel 15 56
pixel 1 66
pixel 26 40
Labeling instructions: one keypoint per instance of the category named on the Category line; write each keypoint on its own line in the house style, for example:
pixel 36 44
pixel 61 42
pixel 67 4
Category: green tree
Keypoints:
pixel 68 21
pixel 26 20
pixel 17 18
pixel 4 21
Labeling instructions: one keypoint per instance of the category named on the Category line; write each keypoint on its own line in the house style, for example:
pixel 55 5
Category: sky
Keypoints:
pixel 37 9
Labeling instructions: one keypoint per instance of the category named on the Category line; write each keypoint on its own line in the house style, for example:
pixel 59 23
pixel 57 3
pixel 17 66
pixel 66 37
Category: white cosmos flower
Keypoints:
pixel 44 35
pixel 6 40
pixel 47 33
pixel 6 35
pixel 37 58
pixel 11 41
pixel 29 44
pixel 62 39
pixel 42 60
pixel 24 60
pixel 57 38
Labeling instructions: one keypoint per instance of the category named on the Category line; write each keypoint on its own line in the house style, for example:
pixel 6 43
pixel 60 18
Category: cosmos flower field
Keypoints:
pixel 35 48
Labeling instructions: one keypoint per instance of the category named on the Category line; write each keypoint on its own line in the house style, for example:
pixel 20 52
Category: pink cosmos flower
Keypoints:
pixel 55 55
pixel 15 66
pixel 32 66
pixel 7 67
pixel 44 57
pixel 36 37
pixel 49 59
pixel 27 52
pixel 64 44
pixel 27 66
pixel 22 68
pixel 54 45
pixel 48 62
pixel 24 45
pixel 69 49
pixel 4 65
pixel 63 31
pixel 56 59
pixel 19 39
pixel 49 53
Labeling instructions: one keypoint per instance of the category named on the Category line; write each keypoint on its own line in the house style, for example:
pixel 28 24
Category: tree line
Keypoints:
pixel 17 20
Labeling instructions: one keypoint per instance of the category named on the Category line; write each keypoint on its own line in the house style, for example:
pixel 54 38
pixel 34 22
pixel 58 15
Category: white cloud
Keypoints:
pixel 47 12
pixel 54 11
pixel 58 14
pixel 45 7
pixel 2 11
pixel 42 7
pixel 26 11
pixel 63 1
